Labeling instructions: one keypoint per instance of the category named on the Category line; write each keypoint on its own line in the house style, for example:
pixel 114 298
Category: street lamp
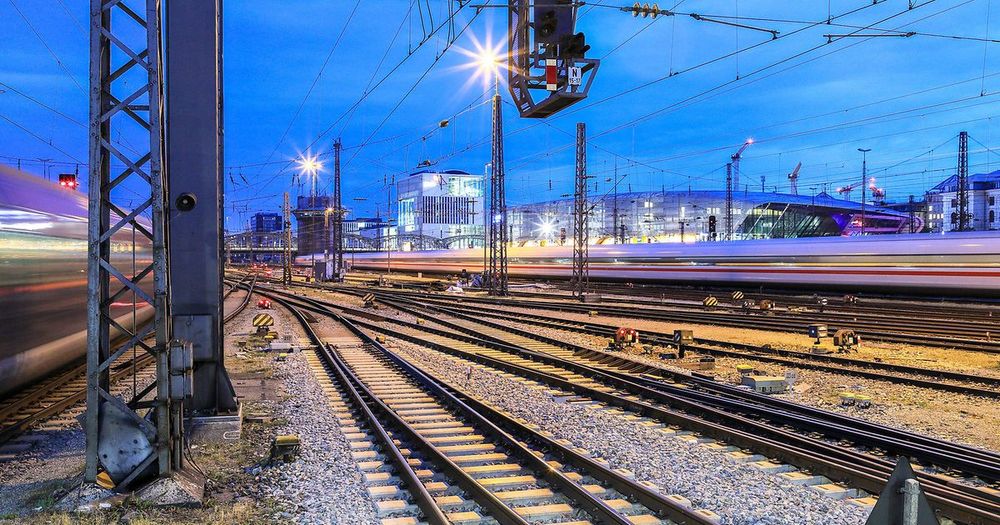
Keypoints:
pixel 864 181
pixel 310 167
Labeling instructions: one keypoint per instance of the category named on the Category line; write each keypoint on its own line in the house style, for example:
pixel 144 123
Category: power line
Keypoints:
pixel 312 86
pixel 47 47
pixel 40 138
pixel 412 88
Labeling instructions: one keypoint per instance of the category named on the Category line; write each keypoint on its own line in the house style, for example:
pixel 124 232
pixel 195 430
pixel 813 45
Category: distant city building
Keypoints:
pixel 439 209
pixel 662 216
pixel 355 240
pixel 984 195
pixel 266 222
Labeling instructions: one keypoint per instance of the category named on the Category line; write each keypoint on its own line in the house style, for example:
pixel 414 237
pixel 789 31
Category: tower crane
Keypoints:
pixel 793 179
pixel 876 192
pixel 736 163
pixel 846 190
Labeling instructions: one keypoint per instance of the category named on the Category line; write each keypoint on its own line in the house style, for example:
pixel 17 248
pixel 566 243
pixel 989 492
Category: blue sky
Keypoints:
pixel 802 99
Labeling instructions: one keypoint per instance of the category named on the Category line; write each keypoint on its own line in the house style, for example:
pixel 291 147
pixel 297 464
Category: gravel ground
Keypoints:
pixel 945 415
pixel 739 493
pixel 324 485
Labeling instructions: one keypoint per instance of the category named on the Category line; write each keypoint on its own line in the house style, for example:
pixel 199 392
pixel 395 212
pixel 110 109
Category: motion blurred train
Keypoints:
pixel 955 264
pixel 43 277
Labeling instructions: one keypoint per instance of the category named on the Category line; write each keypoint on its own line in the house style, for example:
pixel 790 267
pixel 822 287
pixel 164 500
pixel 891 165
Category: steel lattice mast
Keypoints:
pixel 119 55
pixel 286 235
pixel 964 217
pixel 581 230
pixel 338 214
pixel 729 202
pixel 497 270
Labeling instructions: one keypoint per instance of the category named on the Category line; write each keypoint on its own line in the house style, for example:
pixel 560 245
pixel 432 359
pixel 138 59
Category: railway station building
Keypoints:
pixel 983 203
pixel 698 216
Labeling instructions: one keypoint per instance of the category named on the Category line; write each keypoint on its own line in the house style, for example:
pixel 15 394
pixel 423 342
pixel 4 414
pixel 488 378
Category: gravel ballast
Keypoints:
pixel 324 484
pixel 740 494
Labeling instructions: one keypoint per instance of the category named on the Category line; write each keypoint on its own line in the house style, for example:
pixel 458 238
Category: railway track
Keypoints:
pixel 969 384
pixel 828 445
pixel 790 322
pixel 435 439
pixel 869 305
pixel 63 391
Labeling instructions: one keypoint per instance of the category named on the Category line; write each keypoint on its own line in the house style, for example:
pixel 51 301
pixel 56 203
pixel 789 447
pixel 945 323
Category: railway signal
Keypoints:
pixel 68 180
pixel 545 52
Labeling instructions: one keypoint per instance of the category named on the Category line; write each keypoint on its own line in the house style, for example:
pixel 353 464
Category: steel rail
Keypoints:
pixel 754 352
pixel 962 502
pixel 857 469
pixel 335 367
pixel 121 371
pixel 954 456
pixel 489 418
pixel 671 398
pixel 752 321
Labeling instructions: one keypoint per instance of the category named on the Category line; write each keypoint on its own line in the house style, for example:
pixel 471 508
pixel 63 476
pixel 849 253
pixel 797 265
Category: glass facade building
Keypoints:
pixel 692 216
pixel 438 209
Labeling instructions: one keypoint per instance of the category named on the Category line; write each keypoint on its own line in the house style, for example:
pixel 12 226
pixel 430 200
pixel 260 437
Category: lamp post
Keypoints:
pixel 309 166
pixel 864 181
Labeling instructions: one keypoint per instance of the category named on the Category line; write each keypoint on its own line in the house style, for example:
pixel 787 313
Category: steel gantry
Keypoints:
pixel 581 226
pixel 552 62
pixel 179 284
pixel 126 99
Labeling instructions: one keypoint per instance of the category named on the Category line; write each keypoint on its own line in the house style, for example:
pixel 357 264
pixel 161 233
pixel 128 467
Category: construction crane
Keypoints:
pixel 846 190
pixel 876 192
pixel 736 163
pixel 793 179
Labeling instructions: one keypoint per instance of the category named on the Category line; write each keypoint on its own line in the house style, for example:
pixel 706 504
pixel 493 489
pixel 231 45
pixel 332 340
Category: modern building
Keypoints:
pixel 439 209
pixel 983 201
pixel 692 216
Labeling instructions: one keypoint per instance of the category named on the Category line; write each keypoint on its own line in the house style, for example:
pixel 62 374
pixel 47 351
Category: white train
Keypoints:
pixel 956 263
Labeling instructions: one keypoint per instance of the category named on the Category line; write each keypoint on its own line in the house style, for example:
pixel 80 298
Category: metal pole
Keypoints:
pixel 864 184
pixel 911 501
pixel 913 217
pixel 388 230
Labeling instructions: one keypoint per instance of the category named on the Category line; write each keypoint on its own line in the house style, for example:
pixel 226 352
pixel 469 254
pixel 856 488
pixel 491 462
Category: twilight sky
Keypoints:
pixel 801 98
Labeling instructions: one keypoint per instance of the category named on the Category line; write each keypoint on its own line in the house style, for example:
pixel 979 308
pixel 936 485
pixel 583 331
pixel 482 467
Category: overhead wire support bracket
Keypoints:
pixel 829 38
pixel 774 33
